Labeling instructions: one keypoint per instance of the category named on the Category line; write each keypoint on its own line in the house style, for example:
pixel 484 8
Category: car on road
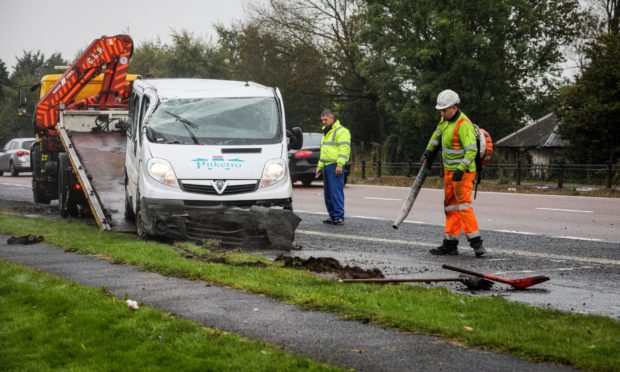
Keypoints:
pixel 302 163
pixel 15 156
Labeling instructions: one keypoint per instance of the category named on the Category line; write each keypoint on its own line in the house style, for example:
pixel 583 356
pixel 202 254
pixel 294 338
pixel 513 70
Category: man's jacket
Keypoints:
pixel 458 148
pixel 335 145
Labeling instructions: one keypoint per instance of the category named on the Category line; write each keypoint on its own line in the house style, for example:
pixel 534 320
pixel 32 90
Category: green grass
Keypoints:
pixel 538 334
pixel 47 323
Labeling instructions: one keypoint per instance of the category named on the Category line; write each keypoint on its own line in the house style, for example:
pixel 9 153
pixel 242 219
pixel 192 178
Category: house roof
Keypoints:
pixel 541 133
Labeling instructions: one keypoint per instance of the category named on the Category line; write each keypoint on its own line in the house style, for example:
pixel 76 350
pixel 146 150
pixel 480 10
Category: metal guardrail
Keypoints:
pixel 607 175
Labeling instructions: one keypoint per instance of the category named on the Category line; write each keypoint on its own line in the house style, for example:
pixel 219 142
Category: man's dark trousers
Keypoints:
pixel 333 190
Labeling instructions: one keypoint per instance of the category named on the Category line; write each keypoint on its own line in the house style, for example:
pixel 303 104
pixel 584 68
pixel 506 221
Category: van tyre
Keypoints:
pixel 129 214
pixel 140 230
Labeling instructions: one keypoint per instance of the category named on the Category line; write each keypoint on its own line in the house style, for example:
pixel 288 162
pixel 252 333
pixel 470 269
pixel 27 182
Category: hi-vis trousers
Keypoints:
pixel 458 206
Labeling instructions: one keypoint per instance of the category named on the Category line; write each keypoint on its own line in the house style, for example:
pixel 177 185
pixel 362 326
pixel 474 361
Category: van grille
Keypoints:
pixel 210 190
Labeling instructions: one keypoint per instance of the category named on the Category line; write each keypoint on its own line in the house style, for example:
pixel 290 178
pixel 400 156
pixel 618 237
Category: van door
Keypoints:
pixel 132 156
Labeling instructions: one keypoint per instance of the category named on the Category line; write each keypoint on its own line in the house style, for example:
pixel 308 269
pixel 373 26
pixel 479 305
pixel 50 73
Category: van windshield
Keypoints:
pixel 216 121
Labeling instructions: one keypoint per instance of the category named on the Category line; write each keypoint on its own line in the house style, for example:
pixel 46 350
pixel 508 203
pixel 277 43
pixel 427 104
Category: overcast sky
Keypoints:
pixel 67 26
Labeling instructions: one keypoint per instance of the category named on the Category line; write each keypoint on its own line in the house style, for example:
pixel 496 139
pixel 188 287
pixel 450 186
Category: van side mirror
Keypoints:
pixel 295 138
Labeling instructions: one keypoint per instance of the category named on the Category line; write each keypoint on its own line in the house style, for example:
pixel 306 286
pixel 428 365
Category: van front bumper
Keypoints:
pixel 246 224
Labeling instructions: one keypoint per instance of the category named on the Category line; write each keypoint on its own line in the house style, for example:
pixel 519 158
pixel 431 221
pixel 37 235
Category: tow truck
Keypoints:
pixel 79 124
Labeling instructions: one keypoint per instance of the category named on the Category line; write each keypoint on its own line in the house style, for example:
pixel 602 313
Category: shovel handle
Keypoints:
pixel 465 271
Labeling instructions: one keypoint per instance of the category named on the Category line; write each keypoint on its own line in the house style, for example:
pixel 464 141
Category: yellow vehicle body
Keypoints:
pixel 92 87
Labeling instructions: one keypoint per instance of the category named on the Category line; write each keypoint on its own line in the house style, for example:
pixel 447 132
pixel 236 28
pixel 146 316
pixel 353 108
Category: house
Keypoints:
pixel 537 143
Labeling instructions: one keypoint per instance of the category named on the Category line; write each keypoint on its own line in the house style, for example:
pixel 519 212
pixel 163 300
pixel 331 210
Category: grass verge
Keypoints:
pixel 537 334
pixel 47 323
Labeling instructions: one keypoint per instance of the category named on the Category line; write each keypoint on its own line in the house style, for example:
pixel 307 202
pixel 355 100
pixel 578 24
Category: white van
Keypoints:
pixel 207 159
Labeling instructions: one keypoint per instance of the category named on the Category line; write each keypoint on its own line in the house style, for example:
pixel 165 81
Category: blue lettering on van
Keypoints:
pixel 219 162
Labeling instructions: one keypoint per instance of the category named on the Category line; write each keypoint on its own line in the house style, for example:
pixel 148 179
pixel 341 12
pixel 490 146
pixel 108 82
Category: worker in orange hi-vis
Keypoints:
pixel 455 134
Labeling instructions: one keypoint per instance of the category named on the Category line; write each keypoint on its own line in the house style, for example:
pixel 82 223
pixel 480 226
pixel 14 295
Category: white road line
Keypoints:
pixel 564 210
pixel 360 217
pixel 387 199
pixel 589 260
pixel 14 185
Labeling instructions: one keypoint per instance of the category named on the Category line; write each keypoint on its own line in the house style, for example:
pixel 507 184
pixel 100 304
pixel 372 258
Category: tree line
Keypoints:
pixel 380 64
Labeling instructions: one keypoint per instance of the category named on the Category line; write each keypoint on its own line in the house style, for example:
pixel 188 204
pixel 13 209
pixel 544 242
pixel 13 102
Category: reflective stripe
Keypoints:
pixel 325 160
pixel 457 207
pixel 474 234
pixel 470 147
pixel 336 143
pixel 438 132
pixel 453 152
pixel 453 161
pixel 342 156
pixel 467 161
pixel 434 142
pixel 450 237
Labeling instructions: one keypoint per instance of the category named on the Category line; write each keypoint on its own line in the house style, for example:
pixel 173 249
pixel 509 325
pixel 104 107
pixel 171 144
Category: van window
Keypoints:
pixel 26 144
pixel 216 121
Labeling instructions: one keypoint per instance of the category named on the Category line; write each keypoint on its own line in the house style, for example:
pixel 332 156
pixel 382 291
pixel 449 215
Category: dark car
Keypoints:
pixel 302 163
pixel 15 156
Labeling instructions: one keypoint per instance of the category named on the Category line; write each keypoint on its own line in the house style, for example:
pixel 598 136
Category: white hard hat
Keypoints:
pixel 446 99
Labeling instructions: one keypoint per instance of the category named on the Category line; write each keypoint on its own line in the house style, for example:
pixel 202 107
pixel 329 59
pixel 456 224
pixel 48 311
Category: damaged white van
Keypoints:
pixel 207 159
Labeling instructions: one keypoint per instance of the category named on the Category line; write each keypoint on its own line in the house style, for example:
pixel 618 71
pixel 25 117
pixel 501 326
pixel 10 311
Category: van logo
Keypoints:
pixel 220 186
pixel 219 162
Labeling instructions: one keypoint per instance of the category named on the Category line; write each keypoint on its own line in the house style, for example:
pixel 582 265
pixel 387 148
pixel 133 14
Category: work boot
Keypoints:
pixel 476 244
pixel 447 248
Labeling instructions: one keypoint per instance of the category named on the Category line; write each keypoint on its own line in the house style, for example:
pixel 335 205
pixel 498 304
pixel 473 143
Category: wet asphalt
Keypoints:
pixel 316 335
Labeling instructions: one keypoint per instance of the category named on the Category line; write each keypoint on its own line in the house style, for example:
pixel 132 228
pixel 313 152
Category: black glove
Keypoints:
pixel 457 175
pixel 425 156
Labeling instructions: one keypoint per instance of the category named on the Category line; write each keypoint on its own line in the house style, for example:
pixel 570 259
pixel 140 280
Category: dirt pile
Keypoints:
pixel 328 265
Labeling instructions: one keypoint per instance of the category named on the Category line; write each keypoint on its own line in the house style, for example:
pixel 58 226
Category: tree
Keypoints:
pixel 500 56
pixel 590 108
pixel 334 29
pixel 187 56
pixel 256 54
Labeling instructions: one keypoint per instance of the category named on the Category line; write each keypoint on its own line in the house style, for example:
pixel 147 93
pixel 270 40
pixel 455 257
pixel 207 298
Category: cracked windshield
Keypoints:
pixel 216 121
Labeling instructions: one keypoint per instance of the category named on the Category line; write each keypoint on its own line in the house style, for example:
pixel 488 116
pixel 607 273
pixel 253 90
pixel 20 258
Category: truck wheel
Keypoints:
pixel 38 188
pixel 14 171
pixel 66 197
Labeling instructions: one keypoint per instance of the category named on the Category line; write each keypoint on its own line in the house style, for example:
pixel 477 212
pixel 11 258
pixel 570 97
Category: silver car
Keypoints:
pixel 15 156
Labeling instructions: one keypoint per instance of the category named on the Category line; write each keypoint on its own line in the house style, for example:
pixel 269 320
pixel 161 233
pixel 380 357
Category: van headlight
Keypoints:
pixel 161 171
pixel 274 172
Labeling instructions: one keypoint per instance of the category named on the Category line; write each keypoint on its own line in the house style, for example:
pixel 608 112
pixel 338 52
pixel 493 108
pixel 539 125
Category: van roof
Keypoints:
pixel 203 88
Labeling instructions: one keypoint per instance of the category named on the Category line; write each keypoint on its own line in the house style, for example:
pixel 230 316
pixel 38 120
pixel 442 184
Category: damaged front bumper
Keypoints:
pixel 245 224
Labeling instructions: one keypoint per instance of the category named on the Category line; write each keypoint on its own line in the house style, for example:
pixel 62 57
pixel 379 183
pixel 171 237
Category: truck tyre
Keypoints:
pixel 38 188
pixel 67 200
pixel 14 171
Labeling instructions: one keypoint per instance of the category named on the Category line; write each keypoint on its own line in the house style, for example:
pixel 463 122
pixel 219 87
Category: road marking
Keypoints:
pixel 590 260
pixel 387 199
pixel 360 217
pixel 564 210
pixel 14 184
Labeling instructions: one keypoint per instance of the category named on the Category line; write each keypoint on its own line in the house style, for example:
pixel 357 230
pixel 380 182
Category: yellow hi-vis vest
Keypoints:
pixel 458 143
pixel 335 146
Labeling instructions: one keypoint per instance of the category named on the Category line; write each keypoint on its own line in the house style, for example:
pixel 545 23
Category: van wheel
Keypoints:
pixel 14 171
pixel 129 214
pixel 140 231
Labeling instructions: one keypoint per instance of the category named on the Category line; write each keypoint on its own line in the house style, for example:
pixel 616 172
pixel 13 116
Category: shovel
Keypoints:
pixel 472 282
pixel 515 283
